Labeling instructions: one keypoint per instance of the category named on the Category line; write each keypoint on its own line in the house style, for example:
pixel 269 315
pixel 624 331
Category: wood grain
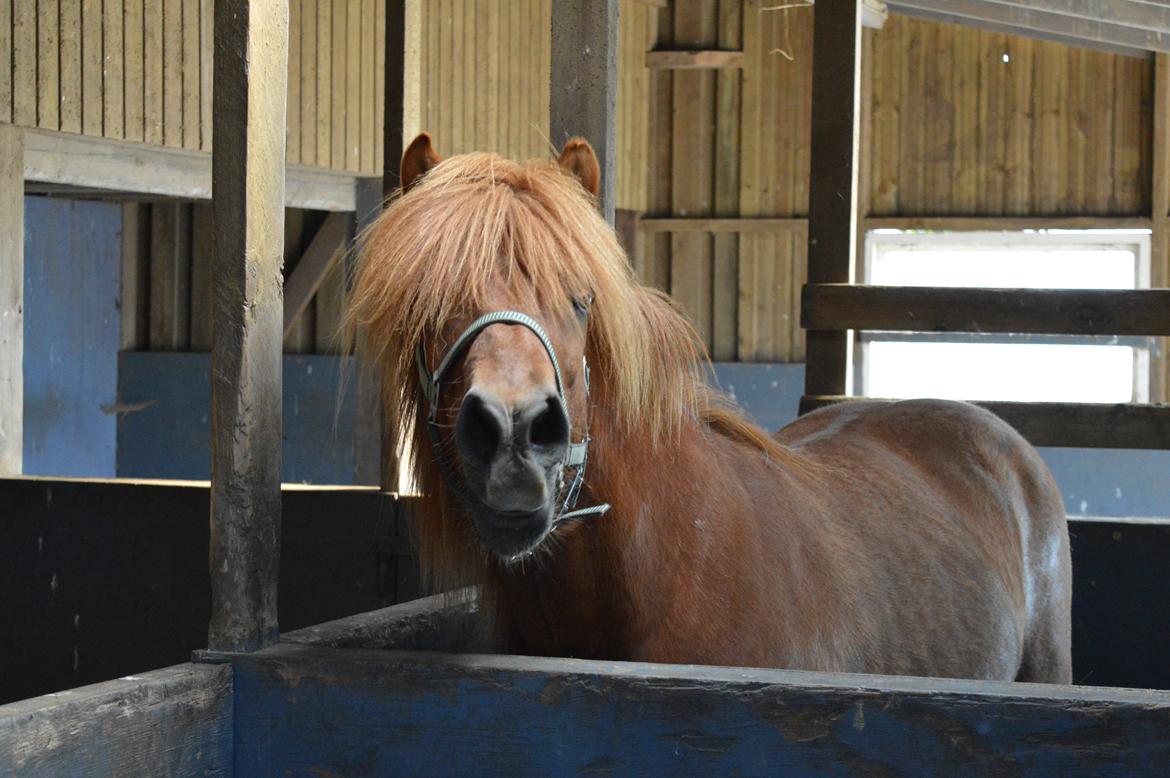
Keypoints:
pixel 11 299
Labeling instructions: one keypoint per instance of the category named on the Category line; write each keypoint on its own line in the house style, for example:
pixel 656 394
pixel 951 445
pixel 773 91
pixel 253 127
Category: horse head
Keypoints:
pixel 489 291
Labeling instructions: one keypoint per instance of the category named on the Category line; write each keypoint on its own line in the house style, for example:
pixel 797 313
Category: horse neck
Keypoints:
pixel 597 590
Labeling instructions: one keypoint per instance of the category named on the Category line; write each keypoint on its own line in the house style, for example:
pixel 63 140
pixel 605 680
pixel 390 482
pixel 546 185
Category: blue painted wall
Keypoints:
pixel 1095 482
pixel 72 263
pixel 171 437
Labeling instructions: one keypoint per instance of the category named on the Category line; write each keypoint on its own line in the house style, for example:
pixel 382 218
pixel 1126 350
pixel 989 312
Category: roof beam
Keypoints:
pixel 1016 18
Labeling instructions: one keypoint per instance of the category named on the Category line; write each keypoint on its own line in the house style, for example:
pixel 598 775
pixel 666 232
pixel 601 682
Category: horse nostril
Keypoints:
pixel 479 429
pixel 550 428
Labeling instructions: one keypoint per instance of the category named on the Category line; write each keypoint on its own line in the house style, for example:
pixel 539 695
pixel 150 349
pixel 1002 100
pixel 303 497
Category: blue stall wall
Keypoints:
pixel 1094 482
pixel 169 436
pixel 72 265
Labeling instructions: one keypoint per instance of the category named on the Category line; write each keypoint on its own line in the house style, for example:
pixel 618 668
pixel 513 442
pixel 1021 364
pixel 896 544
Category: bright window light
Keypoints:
pixel 1007 367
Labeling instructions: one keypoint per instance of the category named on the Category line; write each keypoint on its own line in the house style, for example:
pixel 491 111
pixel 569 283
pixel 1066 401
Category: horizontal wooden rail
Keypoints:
pixel 718 224
pixel 1005 223
pixel 1066 425
pixel 694 60
pixel 957 309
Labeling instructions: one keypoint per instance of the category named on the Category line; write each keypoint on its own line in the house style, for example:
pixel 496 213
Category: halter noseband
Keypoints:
pixel 430 384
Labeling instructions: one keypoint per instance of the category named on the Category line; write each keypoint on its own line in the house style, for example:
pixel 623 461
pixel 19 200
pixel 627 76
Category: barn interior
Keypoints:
pixel 1017 144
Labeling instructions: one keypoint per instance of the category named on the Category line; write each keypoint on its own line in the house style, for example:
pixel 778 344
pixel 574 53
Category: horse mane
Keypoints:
pixel 434 253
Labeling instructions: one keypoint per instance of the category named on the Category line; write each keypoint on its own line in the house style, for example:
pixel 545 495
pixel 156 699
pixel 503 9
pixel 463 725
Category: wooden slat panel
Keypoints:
pixel 945 309
pixel 206 71
pixel 170 276
pixel 11 300
pixel 191 74
pixel 135 70
pixel 135 295
pixel 338 154
pixel 324 82
pixel 152 72
pixel 113 58
pixel 70 64
pixel 48 65
pixel 202 261
pixel 1073 425
pixel 655 269
pixel 693 168
pixel 293 137
pixel 172 85
pixel 91 68
pixel 24 64
pixel 6 64
pixel 725 258
pixel 367 70
pixel 353 86
pixel 742 225
pixel 380 81
pixel 307 110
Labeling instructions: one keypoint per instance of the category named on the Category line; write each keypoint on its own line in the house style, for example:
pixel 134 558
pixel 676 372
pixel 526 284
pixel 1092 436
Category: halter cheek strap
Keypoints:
pixel 430 385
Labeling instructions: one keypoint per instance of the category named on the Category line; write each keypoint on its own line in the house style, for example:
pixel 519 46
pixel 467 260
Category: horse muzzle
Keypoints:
pixel 512 456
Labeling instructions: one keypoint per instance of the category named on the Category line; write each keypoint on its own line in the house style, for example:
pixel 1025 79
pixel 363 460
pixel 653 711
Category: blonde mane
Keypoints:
pixel 478 218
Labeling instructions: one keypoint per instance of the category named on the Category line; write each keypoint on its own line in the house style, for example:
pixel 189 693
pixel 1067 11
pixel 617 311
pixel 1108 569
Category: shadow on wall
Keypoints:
pixel 168 434
pixel 1094 482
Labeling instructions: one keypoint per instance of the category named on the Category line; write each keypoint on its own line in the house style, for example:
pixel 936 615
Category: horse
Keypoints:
pixel 577 467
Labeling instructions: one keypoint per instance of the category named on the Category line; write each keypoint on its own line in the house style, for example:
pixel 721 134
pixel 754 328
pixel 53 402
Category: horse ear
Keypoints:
pixel 578 159
pixel 420 157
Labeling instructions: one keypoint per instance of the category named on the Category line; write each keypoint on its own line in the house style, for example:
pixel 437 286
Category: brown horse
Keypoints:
pixel 920 537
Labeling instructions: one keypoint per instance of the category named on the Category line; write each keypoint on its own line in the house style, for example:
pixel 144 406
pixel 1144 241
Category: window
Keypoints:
pixel 1002 366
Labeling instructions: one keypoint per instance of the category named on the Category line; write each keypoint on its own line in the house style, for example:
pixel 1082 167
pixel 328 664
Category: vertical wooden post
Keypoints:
pixel 1160 237
pixel 583 83
pixel 11 299
pixel 251 71
pixel 832 216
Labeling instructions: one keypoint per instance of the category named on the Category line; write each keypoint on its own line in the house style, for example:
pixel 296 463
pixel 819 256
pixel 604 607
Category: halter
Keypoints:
pixel 430 384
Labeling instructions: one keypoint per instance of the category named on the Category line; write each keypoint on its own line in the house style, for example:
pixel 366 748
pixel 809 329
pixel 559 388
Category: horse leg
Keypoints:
pixel 1047 650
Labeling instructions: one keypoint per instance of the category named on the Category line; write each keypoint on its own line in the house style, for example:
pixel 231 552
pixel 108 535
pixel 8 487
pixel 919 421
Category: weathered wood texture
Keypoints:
pixel 11 300
pixel 141 70
pixel 484 72
pixel 176 721
pixel 583 83
pixel 957 122
pixel 834 171
pixel 251 69
pixel 943 309
pixel 545 716
pixel 1077 425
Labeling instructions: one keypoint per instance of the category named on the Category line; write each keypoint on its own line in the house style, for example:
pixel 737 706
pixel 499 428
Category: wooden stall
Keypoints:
pixel 402 689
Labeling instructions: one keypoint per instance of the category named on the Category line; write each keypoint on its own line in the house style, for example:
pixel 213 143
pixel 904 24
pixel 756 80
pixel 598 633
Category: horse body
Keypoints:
pixel 921 537
pixel 930 541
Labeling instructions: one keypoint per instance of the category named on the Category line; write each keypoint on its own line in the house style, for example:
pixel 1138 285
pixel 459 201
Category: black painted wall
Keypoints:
pixel 104 579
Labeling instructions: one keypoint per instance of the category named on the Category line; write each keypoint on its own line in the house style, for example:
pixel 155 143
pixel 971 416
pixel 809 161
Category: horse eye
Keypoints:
pixel 582 307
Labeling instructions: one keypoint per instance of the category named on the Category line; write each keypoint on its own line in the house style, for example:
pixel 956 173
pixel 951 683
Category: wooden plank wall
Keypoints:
pixel 483 83
pixel 172 308
pixel 140 70
pixel 956 122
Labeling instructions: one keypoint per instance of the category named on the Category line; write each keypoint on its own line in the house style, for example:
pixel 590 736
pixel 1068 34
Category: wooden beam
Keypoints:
pixel 251 69
pixel 714 224
pixel 375 439
pixel 1005 223
pixel 833 188
pixel 11 300
pixel 694 60
pixel 1160 211
pixel 1139 312
pixel 1017 20
pixel 176 721
pixel 688 719
pixel 106 165
pixel 1153 16
pixel 583 83
pixel 312 267
pixel 1074 425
